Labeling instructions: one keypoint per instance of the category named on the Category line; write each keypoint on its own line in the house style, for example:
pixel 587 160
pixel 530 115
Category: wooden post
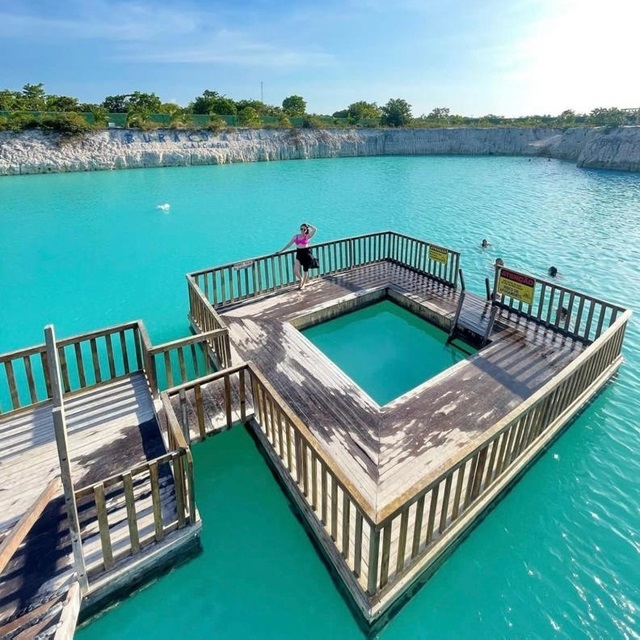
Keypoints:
pixel 59 424
pixel 184 414
pixel 374 547
pixel 60 427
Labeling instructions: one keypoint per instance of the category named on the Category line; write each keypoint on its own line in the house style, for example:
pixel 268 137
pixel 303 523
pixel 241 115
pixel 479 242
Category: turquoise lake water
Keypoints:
pixel 385 349
pixel 559 557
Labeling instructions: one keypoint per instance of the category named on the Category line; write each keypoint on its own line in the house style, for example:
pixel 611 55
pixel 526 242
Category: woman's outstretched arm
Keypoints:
pixel 286 246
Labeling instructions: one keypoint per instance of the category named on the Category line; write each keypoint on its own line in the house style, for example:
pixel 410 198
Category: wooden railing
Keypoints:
pixel 90 359
pixel 176 362
pixel 410 525
pixel 343 511
pixel 86 360
pixel 238 281
pixel 129 510
pixel 190 397
pixel 416 254
pixel 19 531
pixel 205 319
pixel 128 507
pixel 24 379
pixel 571 313
pixel 234 282
pixel 340 507
pixel 380 546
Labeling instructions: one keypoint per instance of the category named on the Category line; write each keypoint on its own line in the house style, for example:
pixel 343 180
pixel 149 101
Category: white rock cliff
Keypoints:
pixel 36 152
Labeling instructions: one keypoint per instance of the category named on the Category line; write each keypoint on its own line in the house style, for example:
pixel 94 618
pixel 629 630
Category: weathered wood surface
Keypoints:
pixel 111 428
pixel 214 418
pixel 387 449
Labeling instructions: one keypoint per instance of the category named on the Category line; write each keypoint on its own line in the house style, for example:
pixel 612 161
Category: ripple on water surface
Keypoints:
pixel 559 557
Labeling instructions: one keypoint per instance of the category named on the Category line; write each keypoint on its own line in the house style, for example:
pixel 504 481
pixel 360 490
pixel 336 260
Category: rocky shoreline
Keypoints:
pixel 36 152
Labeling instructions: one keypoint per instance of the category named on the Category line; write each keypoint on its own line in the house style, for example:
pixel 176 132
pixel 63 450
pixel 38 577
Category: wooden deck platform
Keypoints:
pixel 111 428
pixel 387 492
pixel 386 450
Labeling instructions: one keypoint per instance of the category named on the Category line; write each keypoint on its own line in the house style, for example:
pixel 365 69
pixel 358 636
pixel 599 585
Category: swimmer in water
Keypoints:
pixel 485 243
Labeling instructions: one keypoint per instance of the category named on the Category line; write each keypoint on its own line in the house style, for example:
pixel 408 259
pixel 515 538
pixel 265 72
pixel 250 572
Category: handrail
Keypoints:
pixel 356 495
pixel 175 436
pixel 20 530
pixel 148 473
pixel 206 319
pixel 568 311
pixel 237 281
pixel 212 377
pixel 99 333
pixel 134 471
pixel 270 255
pixel 84 363
pixel 424 485
pixel 354 492
pixel 177 440
pixel 180 358
pixel 175 344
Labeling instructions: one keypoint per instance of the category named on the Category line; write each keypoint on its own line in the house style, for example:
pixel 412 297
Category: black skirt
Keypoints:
pixel 304 257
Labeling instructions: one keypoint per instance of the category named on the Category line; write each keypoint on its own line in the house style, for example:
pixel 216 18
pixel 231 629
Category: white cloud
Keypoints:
pixel 150 33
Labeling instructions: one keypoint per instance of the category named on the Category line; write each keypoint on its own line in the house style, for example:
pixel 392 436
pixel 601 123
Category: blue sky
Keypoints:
pixel 507 57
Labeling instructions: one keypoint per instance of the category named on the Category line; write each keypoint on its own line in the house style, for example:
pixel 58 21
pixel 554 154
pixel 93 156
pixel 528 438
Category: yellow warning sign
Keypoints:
pixel 516 285
pixel 438 254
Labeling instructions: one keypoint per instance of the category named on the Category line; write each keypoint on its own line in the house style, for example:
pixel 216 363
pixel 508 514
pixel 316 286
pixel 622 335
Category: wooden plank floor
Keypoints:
pixel 387 449
pixel 111 428
pixel 104 438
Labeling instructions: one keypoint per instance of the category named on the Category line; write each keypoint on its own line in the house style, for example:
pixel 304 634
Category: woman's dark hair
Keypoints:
pixel 553 272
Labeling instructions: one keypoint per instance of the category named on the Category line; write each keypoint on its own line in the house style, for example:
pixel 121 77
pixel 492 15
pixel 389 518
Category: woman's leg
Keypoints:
pixel 297 269
pixel 303 280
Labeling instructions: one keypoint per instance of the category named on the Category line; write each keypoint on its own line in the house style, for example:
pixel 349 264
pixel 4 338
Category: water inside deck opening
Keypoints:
pixel 386 349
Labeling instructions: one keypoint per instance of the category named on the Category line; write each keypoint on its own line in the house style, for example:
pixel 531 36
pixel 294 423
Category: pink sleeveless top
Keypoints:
pixel 301 241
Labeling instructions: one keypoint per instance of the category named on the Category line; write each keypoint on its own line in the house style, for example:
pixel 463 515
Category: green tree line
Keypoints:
pixel 32 107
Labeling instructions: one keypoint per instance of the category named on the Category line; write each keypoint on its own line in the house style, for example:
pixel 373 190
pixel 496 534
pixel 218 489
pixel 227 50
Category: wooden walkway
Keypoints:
pixel 386 450
pixel 111 428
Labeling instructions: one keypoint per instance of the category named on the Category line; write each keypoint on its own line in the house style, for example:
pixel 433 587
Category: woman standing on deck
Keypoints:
pixel 303 253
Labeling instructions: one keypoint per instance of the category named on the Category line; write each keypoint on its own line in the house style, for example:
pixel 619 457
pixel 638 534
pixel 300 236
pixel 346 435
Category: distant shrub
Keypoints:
pixel 69 124
pixel 19 121
pixel 216 124
pixel 249 117
pixel 284 121
pixel 314 122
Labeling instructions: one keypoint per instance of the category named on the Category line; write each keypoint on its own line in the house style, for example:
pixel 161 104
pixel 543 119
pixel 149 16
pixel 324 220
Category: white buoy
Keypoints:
pixel 164 207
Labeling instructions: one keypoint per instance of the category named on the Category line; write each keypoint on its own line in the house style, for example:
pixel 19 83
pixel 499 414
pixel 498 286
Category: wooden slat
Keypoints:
pixel 132 520
pixel 157 504
pixel 13 389
pixel 103 523
pixel 95 360
pixel 415 547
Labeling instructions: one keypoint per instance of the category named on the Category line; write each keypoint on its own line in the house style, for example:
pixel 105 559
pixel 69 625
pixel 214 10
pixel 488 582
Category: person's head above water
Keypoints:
pixel 552 271
pixel 485 243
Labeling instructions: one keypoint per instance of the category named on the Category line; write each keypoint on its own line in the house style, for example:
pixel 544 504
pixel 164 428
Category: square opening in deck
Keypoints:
pixel 386 349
